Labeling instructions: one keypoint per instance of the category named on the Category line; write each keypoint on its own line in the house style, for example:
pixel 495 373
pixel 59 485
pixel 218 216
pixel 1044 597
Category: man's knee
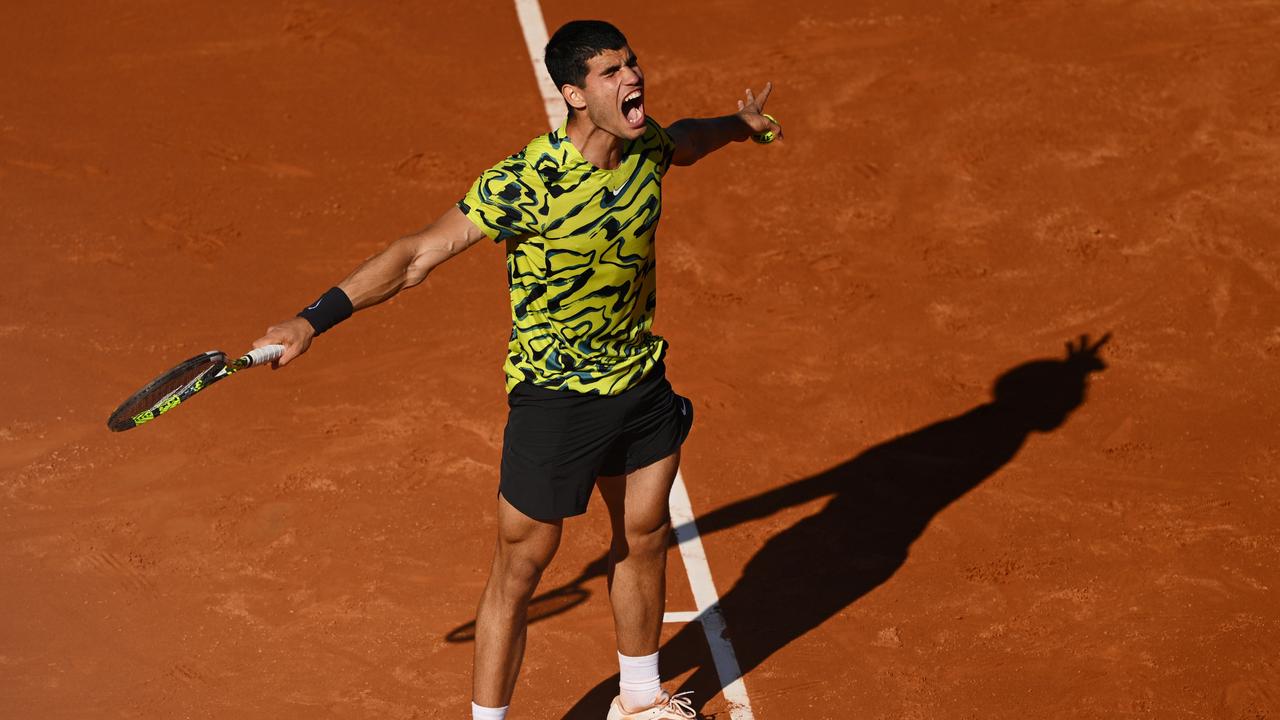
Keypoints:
pixel 648 539
pixel 522 567
pixel 519 565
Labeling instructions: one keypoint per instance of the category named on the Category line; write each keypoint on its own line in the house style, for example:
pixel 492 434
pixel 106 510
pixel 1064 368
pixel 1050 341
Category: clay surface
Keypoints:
pixel 964 187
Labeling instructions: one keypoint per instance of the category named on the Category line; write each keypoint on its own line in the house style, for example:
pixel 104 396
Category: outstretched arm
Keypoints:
pixel 696 137
pixel 402 264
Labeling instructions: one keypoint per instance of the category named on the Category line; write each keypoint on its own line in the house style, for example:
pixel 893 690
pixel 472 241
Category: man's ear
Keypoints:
pixel 574 96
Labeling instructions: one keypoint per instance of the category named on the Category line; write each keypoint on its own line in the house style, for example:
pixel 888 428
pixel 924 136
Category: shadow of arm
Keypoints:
pixel 771 501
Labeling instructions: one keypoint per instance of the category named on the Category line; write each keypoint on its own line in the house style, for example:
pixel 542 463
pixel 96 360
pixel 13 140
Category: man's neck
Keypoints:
pixel 598 147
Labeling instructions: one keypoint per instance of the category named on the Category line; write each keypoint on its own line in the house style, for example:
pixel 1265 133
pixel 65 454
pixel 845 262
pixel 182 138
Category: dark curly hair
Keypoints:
pixel 576 42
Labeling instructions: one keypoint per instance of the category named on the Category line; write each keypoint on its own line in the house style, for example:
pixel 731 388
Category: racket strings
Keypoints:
pixel 159 390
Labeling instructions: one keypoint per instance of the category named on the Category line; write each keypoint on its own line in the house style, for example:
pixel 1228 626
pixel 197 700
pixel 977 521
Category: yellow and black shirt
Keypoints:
pixel 580 260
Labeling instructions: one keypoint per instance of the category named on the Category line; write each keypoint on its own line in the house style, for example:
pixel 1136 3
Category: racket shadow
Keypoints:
pixel 881 501
pixel 544 605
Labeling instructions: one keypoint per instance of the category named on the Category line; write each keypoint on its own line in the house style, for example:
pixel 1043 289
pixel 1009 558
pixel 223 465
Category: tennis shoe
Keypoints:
pixel 664 707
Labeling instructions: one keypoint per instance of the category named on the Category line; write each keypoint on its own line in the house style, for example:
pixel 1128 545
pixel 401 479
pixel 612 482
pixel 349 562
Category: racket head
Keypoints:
pixel 165 392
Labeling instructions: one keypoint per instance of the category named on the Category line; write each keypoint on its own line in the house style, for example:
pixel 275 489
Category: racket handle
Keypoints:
pixel 262 355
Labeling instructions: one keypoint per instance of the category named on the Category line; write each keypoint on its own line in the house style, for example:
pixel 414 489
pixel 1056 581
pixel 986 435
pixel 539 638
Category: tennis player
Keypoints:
pixel 590 405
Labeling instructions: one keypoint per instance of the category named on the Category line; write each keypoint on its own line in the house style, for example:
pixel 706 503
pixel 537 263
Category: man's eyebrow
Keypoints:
pixel 610 69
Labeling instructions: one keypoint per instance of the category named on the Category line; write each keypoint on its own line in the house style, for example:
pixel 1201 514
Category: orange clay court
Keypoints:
pixel 964 187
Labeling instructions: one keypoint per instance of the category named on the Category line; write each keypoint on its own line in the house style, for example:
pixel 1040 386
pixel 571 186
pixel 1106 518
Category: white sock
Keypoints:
pixel 638 680
pixel 479 712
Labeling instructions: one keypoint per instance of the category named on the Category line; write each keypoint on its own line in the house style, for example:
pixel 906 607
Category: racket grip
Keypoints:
pixel 264 354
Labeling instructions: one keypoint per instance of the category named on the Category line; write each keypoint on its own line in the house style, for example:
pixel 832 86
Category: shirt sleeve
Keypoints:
pixel 659 144
pixel 503 201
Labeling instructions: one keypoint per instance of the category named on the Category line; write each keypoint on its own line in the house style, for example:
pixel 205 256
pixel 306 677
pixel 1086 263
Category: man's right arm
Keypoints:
pixel 402 264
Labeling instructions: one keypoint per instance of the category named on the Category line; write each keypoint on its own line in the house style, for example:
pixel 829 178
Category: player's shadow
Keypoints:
pixel 881 501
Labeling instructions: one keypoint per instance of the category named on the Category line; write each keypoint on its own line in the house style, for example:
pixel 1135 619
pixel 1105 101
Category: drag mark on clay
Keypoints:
pixel 129 572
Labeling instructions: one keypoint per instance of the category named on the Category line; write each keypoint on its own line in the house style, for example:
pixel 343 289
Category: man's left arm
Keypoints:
pixel 697 137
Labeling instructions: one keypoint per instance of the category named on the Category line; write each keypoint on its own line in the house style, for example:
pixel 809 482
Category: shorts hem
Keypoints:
pixel 552 517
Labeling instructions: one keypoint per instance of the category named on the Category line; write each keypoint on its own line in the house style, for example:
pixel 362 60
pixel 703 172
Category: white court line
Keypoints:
pixel 691 551
pixel 535 38
pixel 680 616
pixel 708 602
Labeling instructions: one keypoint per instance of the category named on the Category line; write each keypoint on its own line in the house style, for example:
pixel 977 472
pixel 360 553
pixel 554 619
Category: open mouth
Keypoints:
pixel 633 108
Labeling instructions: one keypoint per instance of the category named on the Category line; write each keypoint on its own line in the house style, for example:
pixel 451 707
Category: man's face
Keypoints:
pixel 614 93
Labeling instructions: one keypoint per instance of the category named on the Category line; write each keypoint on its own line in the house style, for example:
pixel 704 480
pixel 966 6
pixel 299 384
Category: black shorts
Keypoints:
pixel 558 442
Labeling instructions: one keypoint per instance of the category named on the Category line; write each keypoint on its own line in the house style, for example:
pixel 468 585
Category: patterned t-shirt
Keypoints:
pixel 580 260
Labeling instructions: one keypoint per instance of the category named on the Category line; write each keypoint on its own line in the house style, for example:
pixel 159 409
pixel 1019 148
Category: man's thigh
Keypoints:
pixel 637 501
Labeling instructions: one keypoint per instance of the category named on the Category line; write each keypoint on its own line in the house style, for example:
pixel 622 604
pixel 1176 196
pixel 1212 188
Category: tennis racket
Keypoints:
pixel 179 384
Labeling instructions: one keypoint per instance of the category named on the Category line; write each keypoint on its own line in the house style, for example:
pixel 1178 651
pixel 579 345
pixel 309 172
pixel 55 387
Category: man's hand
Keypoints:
pixel 751 112
pixel 294 334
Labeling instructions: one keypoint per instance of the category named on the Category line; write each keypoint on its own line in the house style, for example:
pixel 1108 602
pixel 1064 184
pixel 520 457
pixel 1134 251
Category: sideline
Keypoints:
pixel 705 596
pixel 708 602
pixel 535 39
